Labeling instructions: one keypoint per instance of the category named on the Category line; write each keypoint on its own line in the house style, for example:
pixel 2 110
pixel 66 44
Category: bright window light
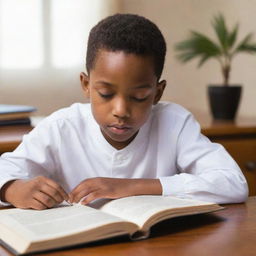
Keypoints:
pixel 71 22
pixel 21 43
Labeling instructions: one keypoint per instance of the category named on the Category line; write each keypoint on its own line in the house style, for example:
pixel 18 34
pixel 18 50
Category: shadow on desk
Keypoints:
pixel 181 224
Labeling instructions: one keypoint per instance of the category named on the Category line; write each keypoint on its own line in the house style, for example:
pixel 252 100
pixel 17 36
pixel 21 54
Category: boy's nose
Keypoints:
pixel 121 108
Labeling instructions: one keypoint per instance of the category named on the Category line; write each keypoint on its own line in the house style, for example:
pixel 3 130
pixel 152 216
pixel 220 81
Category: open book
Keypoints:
pixel 25 231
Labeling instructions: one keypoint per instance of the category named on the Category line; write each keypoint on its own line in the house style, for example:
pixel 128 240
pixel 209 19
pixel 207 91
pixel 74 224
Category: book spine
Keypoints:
pixel 140 235
pixel 24 121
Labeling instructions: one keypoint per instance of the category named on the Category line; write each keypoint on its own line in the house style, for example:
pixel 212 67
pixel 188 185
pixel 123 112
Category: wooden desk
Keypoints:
pixel 11 136
pixel 239 138
pixel 230 232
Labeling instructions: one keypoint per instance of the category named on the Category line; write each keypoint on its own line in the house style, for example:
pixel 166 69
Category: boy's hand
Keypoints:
pixel 95 188
pixel 38 193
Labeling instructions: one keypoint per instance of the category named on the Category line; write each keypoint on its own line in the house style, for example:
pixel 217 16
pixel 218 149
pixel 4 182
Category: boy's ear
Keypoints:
pixel 159 91
pixel 84 79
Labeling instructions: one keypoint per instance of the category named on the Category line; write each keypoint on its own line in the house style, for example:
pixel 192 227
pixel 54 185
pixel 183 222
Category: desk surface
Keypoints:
pixel 11 136
pixel 230 232
pixel 214 127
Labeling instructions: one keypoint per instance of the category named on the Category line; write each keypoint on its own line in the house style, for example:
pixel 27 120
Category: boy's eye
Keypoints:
pixel 139 99
pixel 106 95
pixel 110 95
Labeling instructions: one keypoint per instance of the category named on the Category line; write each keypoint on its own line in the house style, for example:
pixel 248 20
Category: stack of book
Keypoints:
pixel 15 114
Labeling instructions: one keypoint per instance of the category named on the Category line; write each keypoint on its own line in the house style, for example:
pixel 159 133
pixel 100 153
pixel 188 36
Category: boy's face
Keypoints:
pixel 122 89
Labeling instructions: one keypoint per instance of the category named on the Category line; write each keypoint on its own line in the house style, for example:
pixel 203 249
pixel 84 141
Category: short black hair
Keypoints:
pixel 129 33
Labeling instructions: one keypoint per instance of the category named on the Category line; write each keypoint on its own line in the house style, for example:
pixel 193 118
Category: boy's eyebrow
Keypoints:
pixel 105 83
pixel 142 86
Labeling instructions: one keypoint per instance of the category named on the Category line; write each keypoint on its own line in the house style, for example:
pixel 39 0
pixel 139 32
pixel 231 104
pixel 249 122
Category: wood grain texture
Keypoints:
pixel 11 136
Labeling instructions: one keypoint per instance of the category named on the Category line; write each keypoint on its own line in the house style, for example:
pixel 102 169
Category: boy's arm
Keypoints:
pixel 94 188
pixel 31 159
pixel 205 170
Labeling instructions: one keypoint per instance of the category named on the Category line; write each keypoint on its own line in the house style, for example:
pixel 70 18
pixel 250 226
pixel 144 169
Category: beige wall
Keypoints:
pixel 186 84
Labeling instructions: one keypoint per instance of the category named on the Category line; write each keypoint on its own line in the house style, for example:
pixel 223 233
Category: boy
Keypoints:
pixel 124 142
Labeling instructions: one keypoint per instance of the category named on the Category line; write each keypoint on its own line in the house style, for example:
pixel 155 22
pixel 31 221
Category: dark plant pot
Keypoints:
pixel 224 101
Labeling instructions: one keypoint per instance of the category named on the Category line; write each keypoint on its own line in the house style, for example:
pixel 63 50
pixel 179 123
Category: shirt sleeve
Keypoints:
pixel 33 157
pixel 205 170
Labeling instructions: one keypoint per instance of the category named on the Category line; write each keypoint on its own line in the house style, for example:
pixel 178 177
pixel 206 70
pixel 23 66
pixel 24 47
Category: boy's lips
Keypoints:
pixel 119 129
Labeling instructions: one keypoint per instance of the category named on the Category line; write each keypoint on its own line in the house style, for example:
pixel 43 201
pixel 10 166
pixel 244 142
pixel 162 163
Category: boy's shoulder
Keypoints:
pixel 74 110
pixel 169 116
pixel 171 110
pixel 77 112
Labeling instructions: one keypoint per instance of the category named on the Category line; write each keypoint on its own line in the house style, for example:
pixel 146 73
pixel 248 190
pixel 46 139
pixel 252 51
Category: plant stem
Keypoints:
pixel 226 72
pixel 226 67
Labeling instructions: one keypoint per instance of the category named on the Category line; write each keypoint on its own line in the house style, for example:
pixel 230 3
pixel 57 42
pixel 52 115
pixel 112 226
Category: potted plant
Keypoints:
pixel 224 99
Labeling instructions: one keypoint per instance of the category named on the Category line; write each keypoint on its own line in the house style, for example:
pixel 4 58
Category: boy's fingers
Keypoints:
pixel 52 192
pixel 84 188
pixel 37 205
pixel 57 187
pixel 44 199
pixel 76 195
pixel 91 197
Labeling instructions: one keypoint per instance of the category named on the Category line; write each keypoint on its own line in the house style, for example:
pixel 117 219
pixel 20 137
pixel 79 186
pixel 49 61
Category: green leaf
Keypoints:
pixel 197 45
pixel 246 45
pixel 203 60
pixel 186 56
pixel 233 36
pixel 221 31
pixel 250 48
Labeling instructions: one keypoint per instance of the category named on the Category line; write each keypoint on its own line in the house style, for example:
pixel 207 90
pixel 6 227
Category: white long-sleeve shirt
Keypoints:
pixel 69 147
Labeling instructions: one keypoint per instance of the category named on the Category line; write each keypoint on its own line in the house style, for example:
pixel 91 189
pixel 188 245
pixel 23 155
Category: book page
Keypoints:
pixel 56 222
pixel 139 209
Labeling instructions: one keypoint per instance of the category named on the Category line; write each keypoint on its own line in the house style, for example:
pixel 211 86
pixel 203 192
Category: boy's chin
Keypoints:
pixel 122 137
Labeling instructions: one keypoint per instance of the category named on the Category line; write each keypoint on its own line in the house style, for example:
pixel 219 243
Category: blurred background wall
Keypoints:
pixel 57 32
